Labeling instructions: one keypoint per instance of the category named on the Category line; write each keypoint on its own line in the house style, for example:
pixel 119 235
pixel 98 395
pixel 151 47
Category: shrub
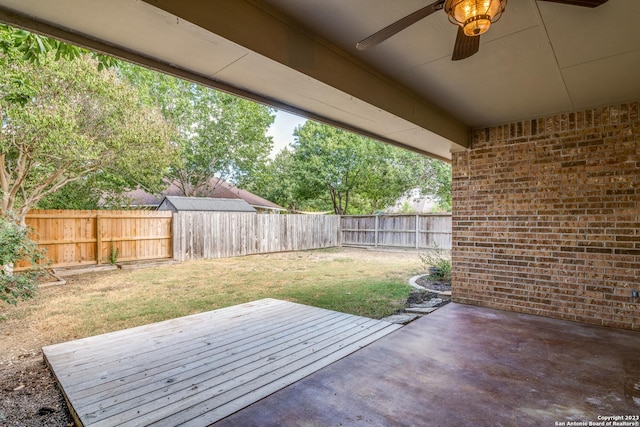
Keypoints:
pixel 114 253
pixel 15 245
pixel 438 263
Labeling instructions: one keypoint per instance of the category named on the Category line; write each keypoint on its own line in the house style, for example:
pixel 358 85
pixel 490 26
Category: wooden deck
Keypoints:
pixel 198 369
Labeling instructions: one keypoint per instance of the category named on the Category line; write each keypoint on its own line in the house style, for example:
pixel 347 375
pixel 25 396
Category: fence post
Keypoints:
pixel 172 242
pixel 417 231
pixel 98 239
pixel 375 228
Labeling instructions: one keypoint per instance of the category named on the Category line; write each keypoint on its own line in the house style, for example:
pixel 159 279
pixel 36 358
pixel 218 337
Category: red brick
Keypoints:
pixel 546 217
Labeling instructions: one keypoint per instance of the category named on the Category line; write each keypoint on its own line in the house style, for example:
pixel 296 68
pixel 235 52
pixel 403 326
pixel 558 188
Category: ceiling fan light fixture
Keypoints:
pixel 474 16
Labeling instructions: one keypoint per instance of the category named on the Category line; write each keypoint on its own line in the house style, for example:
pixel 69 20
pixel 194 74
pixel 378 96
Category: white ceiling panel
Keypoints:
pixel 518 78
pixel 580 35
pixel 616 79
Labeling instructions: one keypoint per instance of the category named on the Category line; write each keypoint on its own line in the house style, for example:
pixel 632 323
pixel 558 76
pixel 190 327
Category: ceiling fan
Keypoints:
pixel 473 17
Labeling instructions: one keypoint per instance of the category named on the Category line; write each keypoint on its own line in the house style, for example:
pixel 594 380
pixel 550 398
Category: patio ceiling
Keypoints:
pixel 540 59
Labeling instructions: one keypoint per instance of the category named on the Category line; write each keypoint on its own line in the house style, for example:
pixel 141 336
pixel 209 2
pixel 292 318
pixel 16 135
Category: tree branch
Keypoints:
pixel 54 184
pixel 4 174
pixel 61 184
pixel 23 165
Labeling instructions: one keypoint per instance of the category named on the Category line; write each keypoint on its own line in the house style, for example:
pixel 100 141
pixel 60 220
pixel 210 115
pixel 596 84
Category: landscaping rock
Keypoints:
pixel 434 302
pixel 420 310
pixel 401 319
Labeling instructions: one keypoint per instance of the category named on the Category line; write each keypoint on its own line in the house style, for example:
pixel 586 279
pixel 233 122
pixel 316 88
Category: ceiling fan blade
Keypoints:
pixel 465 46
pixel 398 26
pixel 584 3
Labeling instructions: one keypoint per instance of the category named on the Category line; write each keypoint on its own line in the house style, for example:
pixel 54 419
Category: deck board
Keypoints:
pixel 198 369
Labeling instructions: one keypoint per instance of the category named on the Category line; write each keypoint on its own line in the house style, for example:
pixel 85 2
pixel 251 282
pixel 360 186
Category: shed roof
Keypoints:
pixel 205 204
pixel 218 190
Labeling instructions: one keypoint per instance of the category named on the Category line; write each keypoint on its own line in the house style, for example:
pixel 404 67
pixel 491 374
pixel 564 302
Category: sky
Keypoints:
pixel 282 130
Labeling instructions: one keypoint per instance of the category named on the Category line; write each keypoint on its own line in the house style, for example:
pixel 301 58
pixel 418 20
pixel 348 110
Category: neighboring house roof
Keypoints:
pixel 222 190
pixel 181 204
pixel 227 190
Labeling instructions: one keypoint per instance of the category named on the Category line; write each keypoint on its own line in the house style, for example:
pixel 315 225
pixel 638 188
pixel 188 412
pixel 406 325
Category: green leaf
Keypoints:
pixel 72 121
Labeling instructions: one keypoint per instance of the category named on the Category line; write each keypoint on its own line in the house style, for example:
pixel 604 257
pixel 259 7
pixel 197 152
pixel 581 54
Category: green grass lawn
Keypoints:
pixel 372 284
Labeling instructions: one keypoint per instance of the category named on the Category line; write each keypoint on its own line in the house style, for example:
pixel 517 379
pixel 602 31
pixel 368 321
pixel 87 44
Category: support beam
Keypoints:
pixel 261 29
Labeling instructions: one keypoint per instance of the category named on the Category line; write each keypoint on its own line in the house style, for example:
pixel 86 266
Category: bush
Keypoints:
pixel 438 264
pixel 15 246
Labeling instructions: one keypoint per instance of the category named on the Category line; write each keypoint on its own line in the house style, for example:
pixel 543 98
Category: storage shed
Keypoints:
pixel 182 204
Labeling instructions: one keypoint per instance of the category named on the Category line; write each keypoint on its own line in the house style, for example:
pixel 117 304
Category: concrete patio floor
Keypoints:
pixel 468 366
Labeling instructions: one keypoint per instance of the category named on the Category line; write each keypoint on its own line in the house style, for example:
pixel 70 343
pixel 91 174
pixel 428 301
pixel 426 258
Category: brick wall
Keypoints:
pixel 546 217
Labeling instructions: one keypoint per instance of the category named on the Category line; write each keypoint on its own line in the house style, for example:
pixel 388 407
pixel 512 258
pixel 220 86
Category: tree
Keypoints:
pixel 220 137
pixel 277 182
pixel 331 169
pixel 79 194
pixel 98 190
pixel 62 120
pixel 329 162
pixel 391 174
pixel 65 120
pixel 15 246
pixel 435 180
pixel 358 174
pixel 20 45
pixel 88 192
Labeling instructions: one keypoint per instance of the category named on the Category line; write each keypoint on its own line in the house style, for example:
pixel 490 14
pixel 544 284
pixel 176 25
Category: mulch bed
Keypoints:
pixel 29 396
pixel 434 285
pixel 418 296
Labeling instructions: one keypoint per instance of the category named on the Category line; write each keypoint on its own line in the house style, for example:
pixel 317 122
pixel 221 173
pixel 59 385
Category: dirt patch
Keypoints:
pixel 29 396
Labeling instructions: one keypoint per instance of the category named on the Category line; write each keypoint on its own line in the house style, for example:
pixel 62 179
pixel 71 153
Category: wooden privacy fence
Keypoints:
pixel 205 235
pixel 422 231
pixel 73 238
pixel 77 237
